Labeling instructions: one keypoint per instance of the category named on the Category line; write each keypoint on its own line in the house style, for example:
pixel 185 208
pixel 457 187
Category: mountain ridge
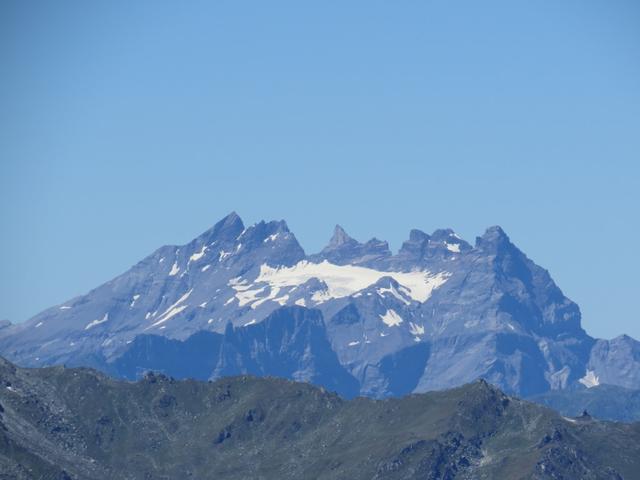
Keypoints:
pixel 442 311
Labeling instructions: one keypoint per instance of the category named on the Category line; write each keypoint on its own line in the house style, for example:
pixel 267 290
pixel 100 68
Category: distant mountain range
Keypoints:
pixel 354 317
pixel 606 402
pixel 77 424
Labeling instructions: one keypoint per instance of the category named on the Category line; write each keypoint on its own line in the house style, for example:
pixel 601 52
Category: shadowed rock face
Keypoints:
pixel 354 317
pixel 79 424
pixel 290 343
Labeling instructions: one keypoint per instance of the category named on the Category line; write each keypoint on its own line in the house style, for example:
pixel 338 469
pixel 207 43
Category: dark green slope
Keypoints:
pixel 59 423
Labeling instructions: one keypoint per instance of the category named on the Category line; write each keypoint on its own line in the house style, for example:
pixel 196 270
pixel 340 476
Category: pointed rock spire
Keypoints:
pixel 339 238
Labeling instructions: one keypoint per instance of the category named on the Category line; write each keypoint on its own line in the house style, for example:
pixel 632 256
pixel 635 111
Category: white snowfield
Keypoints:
pixel 276 284
pixel 345 280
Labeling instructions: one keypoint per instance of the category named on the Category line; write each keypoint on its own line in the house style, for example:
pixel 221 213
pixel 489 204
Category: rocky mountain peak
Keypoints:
pixel 494 238
pixel 226 230
pixel 416 235
pixel 413 249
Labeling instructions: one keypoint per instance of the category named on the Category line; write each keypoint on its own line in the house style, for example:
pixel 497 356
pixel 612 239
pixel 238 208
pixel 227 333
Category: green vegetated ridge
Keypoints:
pixel 60 423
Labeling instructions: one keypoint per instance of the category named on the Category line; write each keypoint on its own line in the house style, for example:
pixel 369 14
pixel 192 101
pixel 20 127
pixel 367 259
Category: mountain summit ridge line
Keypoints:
pixel 354 317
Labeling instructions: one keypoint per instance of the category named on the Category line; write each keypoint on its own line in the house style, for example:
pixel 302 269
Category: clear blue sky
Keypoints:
pixel 128 125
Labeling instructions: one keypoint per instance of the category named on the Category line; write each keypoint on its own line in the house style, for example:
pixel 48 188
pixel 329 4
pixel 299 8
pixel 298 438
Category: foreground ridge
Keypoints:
pixel 79 424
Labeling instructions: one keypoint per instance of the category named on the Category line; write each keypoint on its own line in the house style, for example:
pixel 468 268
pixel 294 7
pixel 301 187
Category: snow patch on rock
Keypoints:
pixel 173 310
pixel 590 379
pixel 198 255
pixel 174 269
pixel 452 247
pixel 391 318
pixel 416 329
pixel 395 293
pixel 97 322
pixel 133 300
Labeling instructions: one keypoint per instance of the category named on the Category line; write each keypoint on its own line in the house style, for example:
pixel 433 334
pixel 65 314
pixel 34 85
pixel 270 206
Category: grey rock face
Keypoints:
pixel 615 362
pixel 439 313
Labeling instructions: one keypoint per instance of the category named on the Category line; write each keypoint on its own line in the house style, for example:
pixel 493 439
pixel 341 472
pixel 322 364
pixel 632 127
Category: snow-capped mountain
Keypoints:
pixel 353 317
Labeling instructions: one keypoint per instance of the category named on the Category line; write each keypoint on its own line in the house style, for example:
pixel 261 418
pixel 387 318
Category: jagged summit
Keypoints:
pixel 422 247
pixel 343 249
pixel 341 244
pixel 416 235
